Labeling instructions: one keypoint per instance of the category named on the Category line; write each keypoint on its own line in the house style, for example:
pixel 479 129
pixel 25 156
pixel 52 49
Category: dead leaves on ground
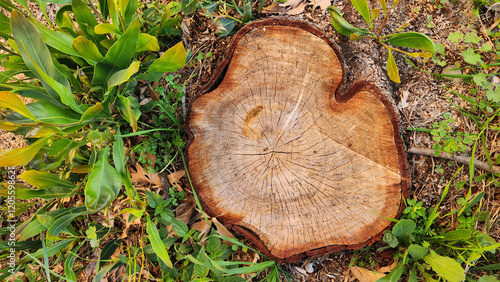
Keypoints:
pixel 366 275
pixel 295 7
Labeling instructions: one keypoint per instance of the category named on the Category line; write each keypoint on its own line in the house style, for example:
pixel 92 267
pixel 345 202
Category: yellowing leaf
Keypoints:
pixel 392 68
pixel 445 267
pixel 13 102
pixel 146 42
pixel 172 60
pixel 124 75
pixel 87 49
pixel 22 156
pixel 104 28
pixel 41 130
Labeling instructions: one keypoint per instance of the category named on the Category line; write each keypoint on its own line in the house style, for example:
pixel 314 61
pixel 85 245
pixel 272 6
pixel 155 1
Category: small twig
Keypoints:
pixel 460 159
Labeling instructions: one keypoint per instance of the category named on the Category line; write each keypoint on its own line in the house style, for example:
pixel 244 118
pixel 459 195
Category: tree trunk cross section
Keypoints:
pixel 274 154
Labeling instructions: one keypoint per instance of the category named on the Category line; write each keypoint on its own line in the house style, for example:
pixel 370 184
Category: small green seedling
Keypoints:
pixel 390 41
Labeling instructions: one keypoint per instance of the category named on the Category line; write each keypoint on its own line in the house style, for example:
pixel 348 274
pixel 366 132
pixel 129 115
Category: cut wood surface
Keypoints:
pixel 275 156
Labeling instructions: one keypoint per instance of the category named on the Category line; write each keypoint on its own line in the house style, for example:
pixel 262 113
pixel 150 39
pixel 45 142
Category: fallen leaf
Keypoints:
pixel 296 10
pixel 135 222
pixel 184 211
pixel 142 178
pixel 365 275
pixel 292 3
pixel 222 230
pixel 274 8
pixel 323 4
pixel 174 178
pixel 387 269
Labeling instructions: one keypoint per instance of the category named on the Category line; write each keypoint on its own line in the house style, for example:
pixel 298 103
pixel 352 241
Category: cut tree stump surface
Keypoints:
pixel 276 155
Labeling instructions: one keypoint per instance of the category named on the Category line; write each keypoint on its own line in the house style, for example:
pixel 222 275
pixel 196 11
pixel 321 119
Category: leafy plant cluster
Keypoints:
pixel 447 141
pixel 81 78
pixel 375 32
pixel 426 249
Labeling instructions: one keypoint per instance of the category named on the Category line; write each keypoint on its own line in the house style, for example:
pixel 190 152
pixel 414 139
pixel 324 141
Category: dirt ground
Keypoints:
pixel 422 99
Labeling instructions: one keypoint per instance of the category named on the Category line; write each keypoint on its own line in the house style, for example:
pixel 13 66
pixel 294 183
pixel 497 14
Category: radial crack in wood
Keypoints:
pixel 274 154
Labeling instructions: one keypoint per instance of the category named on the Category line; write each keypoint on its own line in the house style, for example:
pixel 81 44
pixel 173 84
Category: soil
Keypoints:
pixel 421 99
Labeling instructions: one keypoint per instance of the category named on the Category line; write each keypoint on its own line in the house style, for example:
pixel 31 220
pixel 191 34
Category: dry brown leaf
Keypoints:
pixel 366 275
pixel 292 3
pixel 126 217
pixel 222 230
pixel 184 211
pixel 274 8
pixel 174 178
pixel 297 10
pixel 389 268
pixel 142 178
pixel 323 4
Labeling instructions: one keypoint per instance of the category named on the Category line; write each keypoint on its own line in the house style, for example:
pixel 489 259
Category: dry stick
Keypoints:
pixel 460 159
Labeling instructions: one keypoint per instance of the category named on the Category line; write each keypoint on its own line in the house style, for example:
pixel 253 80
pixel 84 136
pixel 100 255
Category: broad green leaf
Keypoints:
pixel 362 8
pixel 126 109
pixel 413 40
pixel 12 101
pixel 172 60
pixel 87 49
pixel 22 156
pixel 91 112
pixel 342 26
pixel 41 130
pixel 36 55
pixel 45 112
pixel 84 18
pixel 472 57
pixel 4 24
pixel 104 28
pixel 488 278
pixel 471 37
pixel 61 223
pixel 46 194
pixel 103 184
pixel 403 229
pixel 180 228
pixel 455 36
pixel 114 13
pixel 119 158
pixel 70 261
pixel 417 252
pixel 63 18
pixel 124 75
pixel 392 68
pixel 157 244
pixel 445 267
pixel 32 229
pixel 51 251
pixel 146 42
pixel 199 269
pixel 118 56
pixel 128 9
pixel 57 40
pixel 456 235
pixel 45 180
pixel 100 139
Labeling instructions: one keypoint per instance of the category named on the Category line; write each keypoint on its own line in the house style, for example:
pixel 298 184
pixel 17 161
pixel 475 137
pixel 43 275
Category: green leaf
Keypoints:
pixel 45 112
pixel 91 112
pixel 362 8
pixel 87 49
pixel 100 139
pixel 384 7
pixel 456 235
pixel 103 184
pixel 413 40
pixel 104 28
pixel 22 156
pixel 70 261
pixel 57 40
pixel 118 56
pixel 124 75
pixel 392 68
pixel 471 37
pixel 51 251
pixel 85 19
pixel 126 109
pixel 471 57
pixel 455 36
pixel 488 278
pixel 157 244
pixel 32 229
pixel 128 9
pixel 199 269
pixel 60 2
pixel 61 223
pixel 342 26
pixel 172 60
pixel 445 267
pixel 417 252
pixel 4 24
pixel 13 102
pixel 146 42
pixel 37 57
pixel 180 227
pixel 403 229
pixel 45 180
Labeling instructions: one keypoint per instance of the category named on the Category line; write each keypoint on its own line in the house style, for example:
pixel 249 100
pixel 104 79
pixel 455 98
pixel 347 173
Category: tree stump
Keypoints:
pixel 279 154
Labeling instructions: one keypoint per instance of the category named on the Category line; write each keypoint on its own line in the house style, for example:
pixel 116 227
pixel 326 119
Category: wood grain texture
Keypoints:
pixel 275 156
